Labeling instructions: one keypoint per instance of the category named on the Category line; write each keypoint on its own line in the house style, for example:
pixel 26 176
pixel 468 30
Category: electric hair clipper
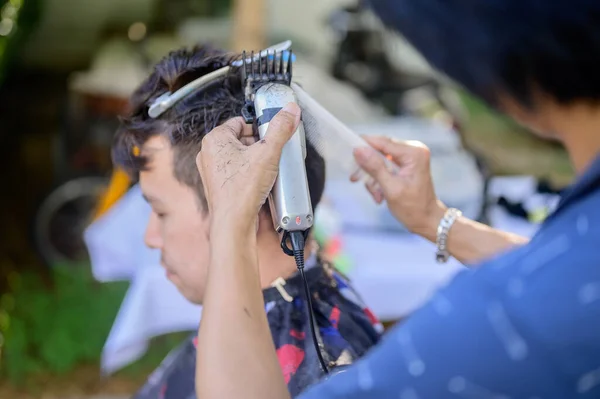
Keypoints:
pixel 267 78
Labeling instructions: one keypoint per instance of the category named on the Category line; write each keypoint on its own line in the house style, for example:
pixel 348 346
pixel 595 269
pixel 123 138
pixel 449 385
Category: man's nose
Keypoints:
pixel 152 236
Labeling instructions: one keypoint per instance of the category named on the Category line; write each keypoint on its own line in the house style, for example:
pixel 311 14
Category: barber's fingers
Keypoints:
pixel 400 151
pixel 281 128
pixel 375 189
pixel 357 175
pixel 248 140
pixel 205 188
pixel 235 127
pixel 248 137
pixel 376 165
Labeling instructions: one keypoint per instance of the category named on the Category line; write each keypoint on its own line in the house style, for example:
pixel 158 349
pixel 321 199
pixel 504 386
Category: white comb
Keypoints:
pixel 332 139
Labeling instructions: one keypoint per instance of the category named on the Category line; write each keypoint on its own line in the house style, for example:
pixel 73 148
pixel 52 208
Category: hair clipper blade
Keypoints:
pixel 267 66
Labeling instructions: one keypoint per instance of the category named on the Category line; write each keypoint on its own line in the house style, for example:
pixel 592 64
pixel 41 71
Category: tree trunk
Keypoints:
pixel 249 25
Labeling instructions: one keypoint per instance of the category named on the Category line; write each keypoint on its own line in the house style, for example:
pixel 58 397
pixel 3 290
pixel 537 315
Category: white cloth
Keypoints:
pixel 152 307
pixel 115 241
pixel 519 189
pixel 395 273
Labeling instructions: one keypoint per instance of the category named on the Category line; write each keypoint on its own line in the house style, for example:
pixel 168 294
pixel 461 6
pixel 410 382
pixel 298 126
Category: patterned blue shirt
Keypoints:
pixel 525 324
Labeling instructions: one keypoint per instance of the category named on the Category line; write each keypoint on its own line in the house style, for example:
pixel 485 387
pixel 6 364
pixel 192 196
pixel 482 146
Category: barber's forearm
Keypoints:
pixel 471 242
pixel 236 356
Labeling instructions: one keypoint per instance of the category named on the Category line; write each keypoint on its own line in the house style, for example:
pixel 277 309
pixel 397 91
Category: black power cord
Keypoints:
pixel 298 241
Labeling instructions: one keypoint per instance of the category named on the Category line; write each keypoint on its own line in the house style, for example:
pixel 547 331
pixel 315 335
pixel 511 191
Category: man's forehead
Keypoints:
pixel 158 168
pixel 158 154
pixel 155 145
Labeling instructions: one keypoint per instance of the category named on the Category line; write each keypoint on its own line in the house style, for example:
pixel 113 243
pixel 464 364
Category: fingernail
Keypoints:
pixel 293 109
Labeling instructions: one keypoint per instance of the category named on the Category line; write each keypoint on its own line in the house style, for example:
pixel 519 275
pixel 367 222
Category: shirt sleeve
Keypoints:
pixel 465 343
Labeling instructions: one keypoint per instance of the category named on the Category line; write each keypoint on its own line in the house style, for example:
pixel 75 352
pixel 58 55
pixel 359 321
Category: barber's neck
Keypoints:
pixel 272 261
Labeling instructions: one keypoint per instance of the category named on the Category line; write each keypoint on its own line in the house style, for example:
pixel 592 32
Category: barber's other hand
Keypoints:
pixel 408 189
pixel 237 178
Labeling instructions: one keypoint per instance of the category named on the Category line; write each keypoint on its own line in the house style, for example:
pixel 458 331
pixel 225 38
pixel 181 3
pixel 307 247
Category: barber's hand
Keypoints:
pixel 237 177
pixel 408 189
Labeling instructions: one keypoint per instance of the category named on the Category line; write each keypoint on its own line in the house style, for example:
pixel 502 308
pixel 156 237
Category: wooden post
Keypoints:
pixel 249 25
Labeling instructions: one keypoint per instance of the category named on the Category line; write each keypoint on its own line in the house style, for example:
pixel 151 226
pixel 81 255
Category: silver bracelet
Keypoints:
pixel 442 255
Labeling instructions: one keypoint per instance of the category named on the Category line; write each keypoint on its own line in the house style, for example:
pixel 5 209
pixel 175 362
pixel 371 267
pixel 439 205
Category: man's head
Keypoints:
pixel 529 58
pixel 162 152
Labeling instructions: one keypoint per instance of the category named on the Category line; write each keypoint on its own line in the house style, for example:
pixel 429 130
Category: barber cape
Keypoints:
pixel 346 329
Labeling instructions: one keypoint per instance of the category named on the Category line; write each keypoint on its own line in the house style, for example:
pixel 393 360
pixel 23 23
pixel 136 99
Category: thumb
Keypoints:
pixel 282 127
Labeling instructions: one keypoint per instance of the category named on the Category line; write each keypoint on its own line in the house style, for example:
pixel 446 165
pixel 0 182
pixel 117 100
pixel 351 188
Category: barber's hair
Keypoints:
pixel 188 121
pixel 500 48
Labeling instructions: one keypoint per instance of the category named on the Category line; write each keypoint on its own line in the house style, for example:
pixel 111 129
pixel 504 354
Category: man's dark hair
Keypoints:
pixel 515 48
pixel 187 122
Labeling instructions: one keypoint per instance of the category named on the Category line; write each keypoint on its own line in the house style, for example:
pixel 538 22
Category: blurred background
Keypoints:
pixel 66 70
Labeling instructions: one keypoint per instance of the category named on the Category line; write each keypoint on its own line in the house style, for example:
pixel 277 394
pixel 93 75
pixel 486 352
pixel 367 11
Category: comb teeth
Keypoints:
pixel 281 63
pixel 267 66
pixel 244 65
pixel 272 65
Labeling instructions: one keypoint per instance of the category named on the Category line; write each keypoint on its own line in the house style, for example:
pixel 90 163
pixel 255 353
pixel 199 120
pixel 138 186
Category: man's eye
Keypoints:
pixel 158 214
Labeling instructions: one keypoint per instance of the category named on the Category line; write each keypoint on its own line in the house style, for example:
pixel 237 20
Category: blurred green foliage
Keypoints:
pixel 54 329
pixel 17 20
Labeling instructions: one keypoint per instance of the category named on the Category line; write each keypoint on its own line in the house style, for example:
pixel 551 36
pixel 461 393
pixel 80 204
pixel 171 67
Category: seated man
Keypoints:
pixel 161 153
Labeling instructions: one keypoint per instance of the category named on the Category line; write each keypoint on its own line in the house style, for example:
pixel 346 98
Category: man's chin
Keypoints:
pixel 191 298
pixel 189 295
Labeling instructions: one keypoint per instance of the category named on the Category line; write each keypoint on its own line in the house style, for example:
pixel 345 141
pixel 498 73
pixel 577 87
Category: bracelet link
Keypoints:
pixel 442 255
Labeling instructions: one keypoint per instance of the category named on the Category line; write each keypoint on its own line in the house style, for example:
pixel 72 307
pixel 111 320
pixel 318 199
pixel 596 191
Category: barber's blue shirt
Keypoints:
pixel 523 325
